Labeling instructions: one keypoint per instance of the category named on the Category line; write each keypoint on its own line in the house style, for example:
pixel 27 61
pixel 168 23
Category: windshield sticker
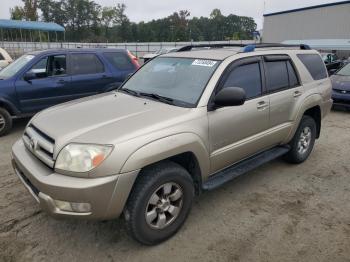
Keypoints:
pixel 208 63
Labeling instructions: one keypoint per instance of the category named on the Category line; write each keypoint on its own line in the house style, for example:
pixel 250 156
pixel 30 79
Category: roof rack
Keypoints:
pixel 245 48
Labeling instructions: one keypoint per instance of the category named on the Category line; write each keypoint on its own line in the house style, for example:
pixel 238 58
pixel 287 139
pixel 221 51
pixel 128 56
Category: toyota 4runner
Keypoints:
pixel 184 123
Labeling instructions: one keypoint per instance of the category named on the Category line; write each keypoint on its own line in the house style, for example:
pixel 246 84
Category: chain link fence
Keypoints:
pixel 16 49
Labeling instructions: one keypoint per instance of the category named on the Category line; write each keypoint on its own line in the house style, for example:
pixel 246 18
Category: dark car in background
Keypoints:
pixel 38 80
pixel 333 63
pixel 341 87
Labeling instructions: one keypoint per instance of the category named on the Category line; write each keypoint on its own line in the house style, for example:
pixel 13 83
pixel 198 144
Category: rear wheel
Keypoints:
pixel 303 141
pixel 5 122
pixel 159 203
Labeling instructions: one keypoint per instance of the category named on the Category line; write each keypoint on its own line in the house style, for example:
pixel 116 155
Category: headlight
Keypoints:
pixel 82 157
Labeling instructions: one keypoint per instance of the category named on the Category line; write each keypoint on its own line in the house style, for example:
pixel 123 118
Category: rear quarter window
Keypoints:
pixel 314 65
pixel 119 60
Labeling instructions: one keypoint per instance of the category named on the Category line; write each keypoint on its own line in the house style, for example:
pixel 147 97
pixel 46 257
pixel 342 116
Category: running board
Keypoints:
pixel 243 167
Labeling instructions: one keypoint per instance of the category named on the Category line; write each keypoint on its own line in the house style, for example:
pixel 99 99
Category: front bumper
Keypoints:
pixel 341 99
pixel 106 195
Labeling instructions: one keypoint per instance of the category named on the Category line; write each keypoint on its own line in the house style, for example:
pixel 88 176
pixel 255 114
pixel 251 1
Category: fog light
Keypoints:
pixel 73 207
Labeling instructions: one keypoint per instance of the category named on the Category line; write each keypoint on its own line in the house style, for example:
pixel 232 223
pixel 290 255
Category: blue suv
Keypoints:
pixel 42 79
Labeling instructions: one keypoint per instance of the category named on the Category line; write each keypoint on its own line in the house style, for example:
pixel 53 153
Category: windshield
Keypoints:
pixel 13 68
pixel 345 71
pixel 181 80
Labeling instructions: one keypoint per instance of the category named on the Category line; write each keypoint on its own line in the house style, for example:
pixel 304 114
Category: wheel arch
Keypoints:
pixel 9 107
pixel 185 149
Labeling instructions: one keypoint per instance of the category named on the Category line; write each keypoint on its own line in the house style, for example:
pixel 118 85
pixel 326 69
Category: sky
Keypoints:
pixel 147 10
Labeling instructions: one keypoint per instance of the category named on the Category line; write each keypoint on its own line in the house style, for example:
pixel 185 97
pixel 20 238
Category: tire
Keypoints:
pixel 306 136
pixel 158 180
pixel 5 122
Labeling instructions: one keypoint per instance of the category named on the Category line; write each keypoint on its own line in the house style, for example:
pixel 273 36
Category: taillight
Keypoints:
pixel 134 59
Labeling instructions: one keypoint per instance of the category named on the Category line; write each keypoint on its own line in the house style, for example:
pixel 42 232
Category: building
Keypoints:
pixel 328 21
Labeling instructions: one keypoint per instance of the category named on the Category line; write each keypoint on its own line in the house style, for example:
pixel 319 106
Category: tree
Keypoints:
pixel 85 20
pixel 29 12
pixel 17 13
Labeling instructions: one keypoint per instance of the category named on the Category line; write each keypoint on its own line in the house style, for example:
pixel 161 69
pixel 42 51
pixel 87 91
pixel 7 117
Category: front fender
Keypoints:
pixel 167 147
pixel 9 106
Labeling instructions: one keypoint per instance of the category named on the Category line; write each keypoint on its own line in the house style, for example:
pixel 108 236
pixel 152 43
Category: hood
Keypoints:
pixel 105 119
pixel 341 82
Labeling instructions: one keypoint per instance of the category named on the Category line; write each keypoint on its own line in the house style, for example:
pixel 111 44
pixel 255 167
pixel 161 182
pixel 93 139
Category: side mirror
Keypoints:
pixel 29 76
pixel 230 96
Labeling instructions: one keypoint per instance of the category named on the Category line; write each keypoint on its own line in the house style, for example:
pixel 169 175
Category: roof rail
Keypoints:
pixel 190 47
pixel 269 45
pixel 245 47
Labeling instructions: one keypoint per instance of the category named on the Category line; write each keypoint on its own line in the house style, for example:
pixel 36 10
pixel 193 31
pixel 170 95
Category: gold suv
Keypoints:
pixel 186 122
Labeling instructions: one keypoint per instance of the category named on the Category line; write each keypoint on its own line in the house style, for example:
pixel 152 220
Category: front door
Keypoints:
pixel 48 88
pixel 237 132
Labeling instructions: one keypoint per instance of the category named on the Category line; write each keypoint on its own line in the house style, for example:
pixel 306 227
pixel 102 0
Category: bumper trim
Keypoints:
pixel 24 182
pixel 106 195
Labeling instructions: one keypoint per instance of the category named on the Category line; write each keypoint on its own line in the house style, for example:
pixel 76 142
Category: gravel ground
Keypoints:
pixel 279 212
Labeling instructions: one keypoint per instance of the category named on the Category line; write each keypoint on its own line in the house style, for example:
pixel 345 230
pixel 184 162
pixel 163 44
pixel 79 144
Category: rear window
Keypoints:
pixel 119 60
pixel 314 65
pixel 84 64
pixel 277 76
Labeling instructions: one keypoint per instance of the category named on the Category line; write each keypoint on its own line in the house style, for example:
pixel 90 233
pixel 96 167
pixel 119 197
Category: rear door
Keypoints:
pixel 89 74
pixel 285 91
pixel 48 88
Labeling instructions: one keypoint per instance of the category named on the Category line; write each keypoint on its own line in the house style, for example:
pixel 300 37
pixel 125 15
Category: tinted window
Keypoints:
pixel 247 77
pixel 293 79
pixel 119 60
pixel 314 65
pixel 83 64
pixel 277 75
pixel 1 57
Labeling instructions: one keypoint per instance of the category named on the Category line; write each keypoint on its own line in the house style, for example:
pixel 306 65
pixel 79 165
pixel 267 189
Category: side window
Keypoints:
pixel 314 65
pixel 84 64
pixel 54 65
pixel 276 76
pixel 119 60
pixel 57 65
pixel 247 77
pixel 1 57
pixel 293 79
pixel 40 68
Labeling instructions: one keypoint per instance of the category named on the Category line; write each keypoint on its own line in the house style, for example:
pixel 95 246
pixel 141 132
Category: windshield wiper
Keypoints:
pixel 157 97
pixel 129 91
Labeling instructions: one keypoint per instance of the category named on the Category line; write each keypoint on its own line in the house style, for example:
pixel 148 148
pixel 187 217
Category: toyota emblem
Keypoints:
pixel 32 144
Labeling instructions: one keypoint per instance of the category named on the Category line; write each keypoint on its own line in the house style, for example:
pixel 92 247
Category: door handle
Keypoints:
pixel 297 93
pixel 61 81
pixel 262 105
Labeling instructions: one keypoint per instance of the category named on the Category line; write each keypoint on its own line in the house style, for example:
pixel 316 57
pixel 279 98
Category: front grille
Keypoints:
pixel 40 144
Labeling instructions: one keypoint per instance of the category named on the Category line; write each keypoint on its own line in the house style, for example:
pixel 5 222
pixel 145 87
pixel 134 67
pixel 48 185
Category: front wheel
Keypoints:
pixel 303 141
pixel 159 203
pixel 5 122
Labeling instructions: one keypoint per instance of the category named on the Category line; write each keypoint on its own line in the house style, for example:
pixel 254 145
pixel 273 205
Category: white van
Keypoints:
pixel 5 58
